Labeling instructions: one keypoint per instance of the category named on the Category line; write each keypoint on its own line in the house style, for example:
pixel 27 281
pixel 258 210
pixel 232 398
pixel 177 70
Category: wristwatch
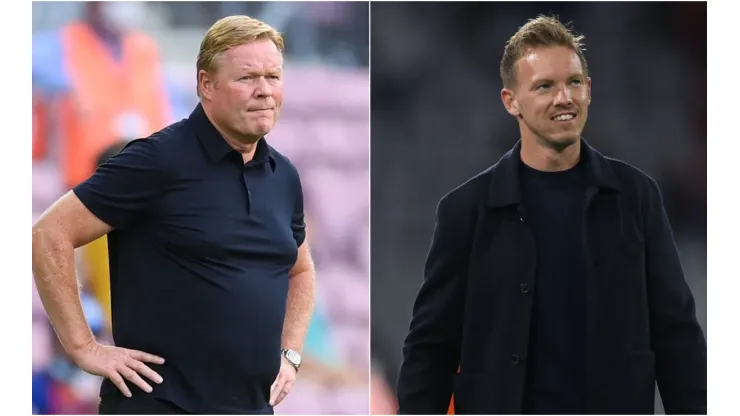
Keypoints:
pixel 293 357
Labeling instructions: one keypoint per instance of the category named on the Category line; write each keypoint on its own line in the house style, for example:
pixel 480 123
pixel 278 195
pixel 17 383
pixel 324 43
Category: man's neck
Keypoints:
pixel 545 158
pixel 246 149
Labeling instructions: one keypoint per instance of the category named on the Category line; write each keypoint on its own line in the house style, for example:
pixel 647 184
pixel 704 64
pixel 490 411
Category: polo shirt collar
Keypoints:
pixel 215 145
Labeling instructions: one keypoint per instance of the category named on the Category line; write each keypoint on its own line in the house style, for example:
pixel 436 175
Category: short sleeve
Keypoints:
pixel 298 224
pixel 123 188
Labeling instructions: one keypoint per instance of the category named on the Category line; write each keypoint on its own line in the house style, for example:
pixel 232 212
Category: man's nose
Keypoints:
pixel 563 96
pixel 263 88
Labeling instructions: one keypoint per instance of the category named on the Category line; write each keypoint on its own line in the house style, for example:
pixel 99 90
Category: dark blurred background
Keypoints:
pixel 437 119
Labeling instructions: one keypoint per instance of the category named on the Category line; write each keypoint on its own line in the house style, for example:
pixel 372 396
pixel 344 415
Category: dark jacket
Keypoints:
pixel 474 308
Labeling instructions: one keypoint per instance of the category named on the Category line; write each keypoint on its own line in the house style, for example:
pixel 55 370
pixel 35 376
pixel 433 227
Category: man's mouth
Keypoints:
pixel 564 117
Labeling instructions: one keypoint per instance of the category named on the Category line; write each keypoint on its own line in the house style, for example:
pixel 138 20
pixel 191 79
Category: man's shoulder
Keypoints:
pixel 283 162
pixel 471 191
pixel 631 177
pixel 172 135
pixel 171 140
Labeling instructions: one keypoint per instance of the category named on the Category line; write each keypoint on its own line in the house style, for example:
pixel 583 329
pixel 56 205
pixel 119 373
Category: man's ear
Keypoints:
pixel 205 84
pixel 510 102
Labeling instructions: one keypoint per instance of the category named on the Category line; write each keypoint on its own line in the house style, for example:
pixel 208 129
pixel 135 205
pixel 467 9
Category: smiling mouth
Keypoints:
pixel 564 117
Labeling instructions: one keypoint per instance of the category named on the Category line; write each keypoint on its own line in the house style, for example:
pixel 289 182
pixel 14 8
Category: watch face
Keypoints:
pixel 293 357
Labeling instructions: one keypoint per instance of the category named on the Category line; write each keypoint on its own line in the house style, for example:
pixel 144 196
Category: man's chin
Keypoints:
pixel 263 132
pixel 259 130
pixel 562 142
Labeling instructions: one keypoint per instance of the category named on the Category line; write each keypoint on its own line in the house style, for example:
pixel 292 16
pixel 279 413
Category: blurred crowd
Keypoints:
pixel 106 73
pixel 437 120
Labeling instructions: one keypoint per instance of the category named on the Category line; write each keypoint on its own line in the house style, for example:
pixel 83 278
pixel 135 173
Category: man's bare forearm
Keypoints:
pixel 300 303
pixel 56 282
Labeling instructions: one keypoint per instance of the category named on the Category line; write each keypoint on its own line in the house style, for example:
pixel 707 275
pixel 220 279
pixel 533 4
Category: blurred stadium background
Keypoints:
pixel 437 119
pixel 324 130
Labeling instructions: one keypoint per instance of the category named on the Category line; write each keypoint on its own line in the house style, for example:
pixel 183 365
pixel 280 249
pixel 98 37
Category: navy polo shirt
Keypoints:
pixel 199 261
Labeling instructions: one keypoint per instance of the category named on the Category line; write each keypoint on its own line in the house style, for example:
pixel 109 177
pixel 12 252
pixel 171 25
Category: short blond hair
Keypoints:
pixel 230 32
pixel 542 31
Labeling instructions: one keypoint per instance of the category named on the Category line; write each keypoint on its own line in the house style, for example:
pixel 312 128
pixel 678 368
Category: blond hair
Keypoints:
pixel 542 31
pixel 230 32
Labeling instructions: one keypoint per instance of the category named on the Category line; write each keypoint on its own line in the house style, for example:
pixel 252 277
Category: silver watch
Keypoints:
pixel 293 357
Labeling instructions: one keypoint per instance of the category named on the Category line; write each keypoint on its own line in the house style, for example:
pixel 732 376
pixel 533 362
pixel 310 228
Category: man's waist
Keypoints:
pixel 210 386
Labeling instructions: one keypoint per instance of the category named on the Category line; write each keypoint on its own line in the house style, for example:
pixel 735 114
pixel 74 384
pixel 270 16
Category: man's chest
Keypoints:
pixel 605 233
pixel 227 216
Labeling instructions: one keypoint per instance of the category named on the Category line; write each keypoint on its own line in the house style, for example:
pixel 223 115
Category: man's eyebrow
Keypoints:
pixel 254 71
pixel 548 80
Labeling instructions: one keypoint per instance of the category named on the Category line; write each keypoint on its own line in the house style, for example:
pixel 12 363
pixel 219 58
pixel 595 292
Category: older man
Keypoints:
pixel 212 283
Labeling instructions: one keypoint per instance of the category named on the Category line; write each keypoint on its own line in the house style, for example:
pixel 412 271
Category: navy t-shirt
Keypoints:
pixel 554 208
pixel 199 261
